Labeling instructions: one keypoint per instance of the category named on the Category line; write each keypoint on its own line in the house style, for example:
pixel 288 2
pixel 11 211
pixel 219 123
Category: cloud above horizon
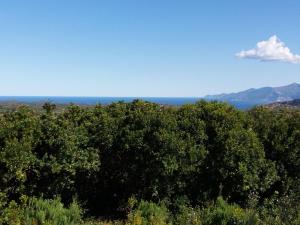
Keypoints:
pixel 272 49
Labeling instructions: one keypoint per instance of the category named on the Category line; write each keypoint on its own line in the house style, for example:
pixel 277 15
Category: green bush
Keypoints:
pixel 51 212
pixel 10 212
pixel 97 222
pixel 280 210
pixel 188 216
pixel 148 213
pixel 222 213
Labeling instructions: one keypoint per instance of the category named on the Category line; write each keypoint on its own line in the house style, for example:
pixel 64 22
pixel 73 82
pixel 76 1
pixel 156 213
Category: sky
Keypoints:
pixel 150 48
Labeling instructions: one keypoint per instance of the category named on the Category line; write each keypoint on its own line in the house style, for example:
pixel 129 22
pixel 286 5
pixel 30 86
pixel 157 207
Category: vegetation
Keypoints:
pixel 141 163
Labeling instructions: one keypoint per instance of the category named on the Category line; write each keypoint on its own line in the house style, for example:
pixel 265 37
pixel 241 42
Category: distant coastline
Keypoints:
pixel 95 100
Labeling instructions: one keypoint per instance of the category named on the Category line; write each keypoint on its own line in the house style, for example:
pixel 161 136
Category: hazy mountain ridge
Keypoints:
pixel 260 96
pixel 294 104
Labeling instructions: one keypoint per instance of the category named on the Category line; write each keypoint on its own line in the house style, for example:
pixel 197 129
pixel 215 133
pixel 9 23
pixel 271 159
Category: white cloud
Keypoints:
pixel 271 50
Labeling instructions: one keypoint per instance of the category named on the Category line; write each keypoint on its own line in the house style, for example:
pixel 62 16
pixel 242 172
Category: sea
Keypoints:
pixel 95 100
pixel 172 101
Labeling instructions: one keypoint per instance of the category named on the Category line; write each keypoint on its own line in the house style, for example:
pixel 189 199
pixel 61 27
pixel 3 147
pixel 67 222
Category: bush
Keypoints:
pixel 280 210
pixel 96 222
pixel 221 213
pixel 148 213
pixel 188 216
pixel 51 212
pixel 10 212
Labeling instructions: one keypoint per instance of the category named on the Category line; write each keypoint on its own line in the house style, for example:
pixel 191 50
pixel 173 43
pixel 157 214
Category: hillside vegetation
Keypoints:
pixel 141 163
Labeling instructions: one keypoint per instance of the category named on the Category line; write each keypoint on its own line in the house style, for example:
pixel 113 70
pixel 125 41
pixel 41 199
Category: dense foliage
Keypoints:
pixel 142 163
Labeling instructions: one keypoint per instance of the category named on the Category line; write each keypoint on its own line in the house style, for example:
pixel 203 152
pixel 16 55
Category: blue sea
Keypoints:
pixel 95 100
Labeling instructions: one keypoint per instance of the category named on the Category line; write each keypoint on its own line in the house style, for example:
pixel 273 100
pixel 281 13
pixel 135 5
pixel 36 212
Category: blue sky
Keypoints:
pixel 142 47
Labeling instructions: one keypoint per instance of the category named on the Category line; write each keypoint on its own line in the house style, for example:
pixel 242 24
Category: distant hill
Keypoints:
pixel 260 96
pixel 294 104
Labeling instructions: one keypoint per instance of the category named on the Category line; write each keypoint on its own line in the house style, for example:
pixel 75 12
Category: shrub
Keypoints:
pixel 188 216
pixel 280 210
pixel 10 212
pixel 51 212
pixel 221 213
pixel 96 222
pixel 148 213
